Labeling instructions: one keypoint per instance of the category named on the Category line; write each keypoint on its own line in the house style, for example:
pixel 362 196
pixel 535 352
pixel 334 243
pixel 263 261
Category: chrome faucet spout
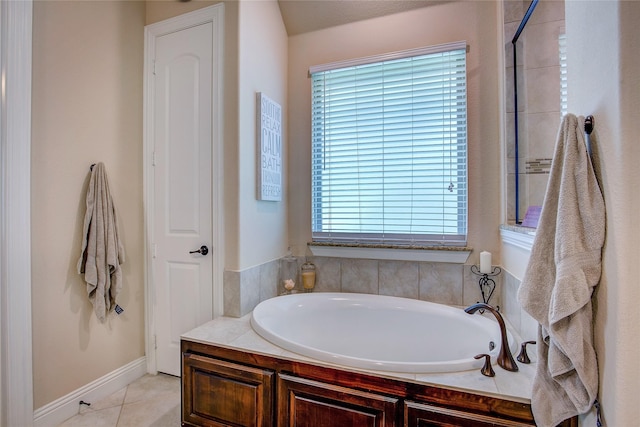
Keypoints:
pixel 505 358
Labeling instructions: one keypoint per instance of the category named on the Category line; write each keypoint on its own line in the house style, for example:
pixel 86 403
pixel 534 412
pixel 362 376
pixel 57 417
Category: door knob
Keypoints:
pixel 203 250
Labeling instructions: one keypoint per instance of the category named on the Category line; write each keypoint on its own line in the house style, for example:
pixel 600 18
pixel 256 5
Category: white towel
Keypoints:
pixel 563 269
pixel 102 251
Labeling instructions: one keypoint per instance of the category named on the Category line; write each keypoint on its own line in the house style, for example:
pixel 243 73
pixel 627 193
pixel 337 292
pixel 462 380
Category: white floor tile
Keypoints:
pixel 151 401
pixel 158 412
pixel 101 418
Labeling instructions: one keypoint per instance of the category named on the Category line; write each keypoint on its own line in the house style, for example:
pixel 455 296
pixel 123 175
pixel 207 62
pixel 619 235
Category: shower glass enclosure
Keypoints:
pixel 534 34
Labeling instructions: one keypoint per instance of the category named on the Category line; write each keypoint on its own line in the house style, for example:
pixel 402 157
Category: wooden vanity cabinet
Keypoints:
pixel 223 386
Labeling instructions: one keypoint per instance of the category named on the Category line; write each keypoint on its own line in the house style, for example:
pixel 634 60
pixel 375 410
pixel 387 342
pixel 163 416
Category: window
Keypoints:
pixel 389 148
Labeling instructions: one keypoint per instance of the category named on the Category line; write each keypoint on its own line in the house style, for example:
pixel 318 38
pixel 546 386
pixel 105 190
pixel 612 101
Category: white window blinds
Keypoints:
pixel 562 48
pixel 389 148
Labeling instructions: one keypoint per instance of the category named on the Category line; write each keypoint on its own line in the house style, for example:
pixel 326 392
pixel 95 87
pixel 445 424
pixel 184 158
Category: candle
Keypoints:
pixel 308 276
pixel 485 262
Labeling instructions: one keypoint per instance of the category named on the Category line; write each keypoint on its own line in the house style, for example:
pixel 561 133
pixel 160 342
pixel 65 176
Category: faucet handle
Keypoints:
pixel 523 357
pixel 486 370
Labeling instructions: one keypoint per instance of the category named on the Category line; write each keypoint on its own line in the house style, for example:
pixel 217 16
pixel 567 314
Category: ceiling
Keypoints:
pixel 303 16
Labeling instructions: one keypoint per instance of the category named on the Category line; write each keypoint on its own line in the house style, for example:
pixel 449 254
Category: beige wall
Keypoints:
pixel 262 225
pixel 87 92
pixel 604 76
pixel 475 22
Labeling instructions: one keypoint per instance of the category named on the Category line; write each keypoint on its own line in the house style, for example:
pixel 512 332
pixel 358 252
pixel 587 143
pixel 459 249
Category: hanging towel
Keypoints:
pixel 102 251
pixel 563 269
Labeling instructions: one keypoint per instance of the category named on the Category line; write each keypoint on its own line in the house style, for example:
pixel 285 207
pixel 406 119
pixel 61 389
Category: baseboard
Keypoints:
pixel 59 410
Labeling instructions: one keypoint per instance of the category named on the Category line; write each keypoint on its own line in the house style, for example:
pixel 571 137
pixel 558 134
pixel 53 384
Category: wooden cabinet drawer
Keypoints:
pixel 307 403
pixel 422 415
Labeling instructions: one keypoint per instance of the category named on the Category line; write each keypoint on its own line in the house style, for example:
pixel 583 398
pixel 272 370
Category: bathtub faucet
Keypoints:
pixel 505 358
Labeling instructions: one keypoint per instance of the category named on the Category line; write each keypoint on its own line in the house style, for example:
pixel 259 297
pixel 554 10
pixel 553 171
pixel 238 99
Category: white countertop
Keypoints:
pixel 237 333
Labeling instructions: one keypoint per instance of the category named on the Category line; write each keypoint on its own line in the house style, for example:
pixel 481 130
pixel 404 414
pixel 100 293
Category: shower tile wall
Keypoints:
pixel 452 284
pixel 539 111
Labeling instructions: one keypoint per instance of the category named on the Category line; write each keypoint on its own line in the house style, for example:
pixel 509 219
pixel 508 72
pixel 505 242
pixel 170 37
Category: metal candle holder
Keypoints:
pixel 486 283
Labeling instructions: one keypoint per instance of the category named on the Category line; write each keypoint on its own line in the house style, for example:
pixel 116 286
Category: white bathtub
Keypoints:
pixel 378 332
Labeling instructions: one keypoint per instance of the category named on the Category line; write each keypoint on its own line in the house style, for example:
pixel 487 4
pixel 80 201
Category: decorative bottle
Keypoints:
pixel 289 272
pixel 308 276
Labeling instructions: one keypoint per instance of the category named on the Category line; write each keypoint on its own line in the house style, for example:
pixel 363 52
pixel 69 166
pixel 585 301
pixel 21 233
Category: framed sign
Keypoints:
pixel 269 174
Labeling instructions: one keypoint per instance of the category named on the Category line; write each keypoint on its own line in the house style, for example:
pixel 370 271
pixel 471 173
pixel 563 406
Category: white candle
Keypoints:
pixel 485 262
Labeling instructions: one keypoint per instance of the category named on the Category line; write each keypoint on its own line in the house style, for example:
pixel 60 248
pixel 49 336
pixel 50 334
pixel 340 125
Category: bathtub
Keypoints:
pixel 376 332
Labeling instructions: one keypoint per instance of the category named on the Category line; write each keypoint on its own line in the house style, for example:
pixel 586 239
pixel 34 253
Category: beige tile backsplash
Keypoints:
pixel 452 284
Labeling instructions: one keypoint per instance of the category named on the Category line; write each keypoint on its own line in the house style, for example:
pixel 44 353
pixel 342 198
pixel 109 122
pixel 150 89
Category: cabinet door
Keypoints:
pixel 422 415
pixel 307 403
pixel 219 393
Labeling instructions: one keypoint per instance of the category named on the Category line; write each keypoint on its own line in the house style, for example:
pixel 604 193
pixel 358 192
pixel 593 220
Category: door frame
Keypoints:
pixel 16 371
pixel 215 15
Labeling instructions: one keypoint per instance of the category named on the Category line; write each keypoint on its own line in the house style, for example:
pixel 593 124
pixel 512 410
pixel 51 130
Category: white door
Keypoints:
pixel 182 177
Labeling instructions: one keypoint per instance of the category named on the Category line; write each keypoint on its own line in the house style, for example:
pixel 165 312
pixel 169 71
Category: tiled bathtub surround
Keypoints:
pixel 452 284
pixel 520 320
pixel 243 290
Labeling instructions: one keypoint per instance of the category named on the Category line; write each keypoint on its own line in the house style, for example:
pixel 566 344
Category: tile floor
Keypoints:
pixel 151 401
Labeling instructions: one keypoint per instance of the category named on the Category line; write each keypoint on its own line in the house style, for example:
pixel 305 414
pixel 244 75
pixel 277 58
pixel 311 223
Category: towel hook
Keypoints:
pixel 588 124
pixel 588 128
pixel 91 167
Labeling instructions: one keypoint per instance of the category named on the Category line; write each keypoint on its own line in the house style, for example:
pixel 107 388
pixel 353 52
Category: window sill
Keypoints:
pixel 449 254
pixel 521 237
